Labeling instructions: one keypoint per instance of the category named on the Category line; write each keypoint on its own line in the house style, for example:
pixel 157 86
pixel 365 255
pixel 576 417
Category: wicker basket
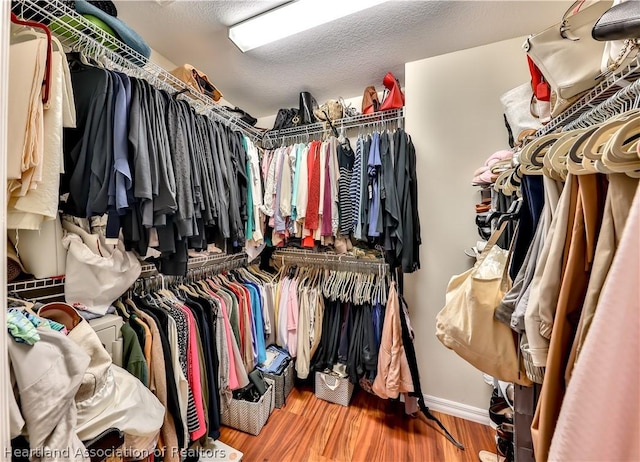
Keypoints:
pixel 283 384
pixel 247 416
pixel 333 389
pixel 535 373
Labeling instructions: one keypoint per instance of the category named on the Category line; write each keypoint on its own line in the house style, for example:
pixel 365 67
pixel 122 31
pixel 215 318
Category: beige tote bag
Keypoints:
pixel 466 324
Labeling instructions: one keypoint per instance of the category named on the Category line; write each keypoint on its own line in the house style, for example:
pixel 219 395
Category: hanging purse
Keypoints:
pixel 466 324
pixel 370 103
pixel 566 54
pixel 394 98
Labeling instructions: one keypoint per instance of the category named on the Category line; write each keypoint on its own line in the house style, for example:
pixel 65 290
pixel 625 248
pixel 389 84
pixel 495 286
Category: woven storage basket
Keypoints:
pixel 250 417
pixel 283 384
pixel 535 373
pixel 333 389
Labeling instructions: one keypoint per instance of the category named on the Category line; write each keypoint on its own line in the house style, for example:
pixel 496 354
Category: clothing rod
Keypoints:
pixel 362 120
pixel 209 262
pixel 95 43
pixel 599 93
pixel 627 95
pixel 337 262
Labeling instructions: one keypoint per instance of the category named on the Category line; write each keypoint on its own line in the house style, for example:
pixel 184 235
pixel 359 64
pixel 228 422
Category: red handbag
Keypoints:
pixel 394 97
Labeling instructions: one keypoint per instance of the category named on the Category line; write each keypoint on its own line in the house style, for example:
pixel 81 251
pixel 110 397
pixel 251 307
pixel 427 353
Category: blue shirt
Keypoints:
pixel 373 169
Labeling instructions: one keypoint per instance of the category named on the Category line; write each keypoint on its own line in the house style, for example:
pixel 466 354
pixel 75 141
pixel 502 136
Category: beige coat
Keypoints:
pixel 599 416
pixel 622 189
pixel 394 376
pixel 545 286
pixel 579 260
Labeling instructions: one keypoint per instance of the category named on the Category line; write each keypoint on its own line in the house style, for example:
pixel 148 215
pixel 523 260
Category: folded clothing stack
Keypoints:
pixel 488 173
pixel 277 361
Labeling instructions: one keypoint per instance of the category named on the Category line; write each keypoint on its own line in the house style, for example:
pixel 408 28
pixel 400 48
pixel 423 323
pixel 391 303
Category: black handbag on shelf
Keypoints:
pixel 620 22
pixel 286 118
pixel 307 104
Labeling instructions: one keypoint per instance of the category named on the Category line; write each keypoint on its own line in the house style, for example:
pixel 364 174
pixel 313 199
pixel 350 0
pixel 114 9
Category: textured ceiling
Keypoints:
pixel 336 59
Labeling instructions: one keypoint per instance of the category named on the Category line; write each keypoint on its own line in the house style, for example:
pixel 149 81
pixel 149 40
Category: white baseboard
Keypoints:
pixel 464 411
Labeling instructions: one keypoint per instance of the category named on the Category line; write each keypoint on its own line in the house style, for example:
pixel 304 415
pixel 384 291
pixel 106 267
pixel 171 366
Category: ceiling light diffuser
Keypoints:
pixel 292 18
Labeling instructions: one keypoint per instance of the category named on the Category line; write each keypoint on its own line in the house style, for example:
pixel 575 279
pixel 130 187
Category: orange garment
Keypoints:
pixel 600 416
pixel 394 375
pixel 582 244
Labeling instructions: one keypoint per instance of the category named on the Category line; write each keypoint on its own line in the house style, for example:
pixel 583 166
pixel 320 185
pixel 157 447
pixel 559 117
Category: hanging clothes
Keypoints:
pixel 324 193
pixel 157 169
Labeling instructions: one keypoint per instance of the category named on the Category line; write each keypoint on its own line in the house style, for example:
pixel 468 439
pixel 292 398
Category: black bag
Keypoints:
pixel 286 118
pixel 244 116
pixel 307 104
pixel 256 378
pixel 248 393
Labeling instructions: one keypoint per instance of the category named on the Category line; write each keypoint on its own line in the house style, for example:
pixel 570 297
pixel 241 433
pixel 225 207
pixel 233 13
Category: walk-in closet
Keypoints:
pixel 294 230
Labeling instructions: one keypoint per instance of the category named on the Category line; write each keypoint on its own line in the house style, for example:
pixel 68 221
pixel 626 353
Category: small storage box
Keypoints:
pixel 333 389
pixel 247 416
pixel 283 384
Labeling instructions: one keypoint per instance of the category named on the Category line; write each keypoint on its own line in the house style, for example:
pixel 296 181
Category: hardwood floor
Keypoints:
pixel 369 430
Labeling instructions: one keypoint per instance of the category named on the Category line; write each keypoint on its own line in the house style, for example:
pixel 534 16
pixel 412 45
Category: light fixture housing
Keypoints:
pixel 292 18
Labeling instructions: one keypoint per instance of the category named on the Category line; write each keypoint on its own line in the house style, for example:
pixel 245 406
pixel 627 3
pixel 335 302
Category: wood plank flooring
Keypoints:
pixel 369 430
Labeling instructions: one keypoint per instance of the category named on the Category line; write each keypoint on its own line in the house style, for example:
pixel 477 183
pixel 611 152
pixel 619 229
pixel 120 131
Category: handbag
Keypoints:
pixel 197 80
pixel 307 106
pixel 286 118
pixel 96 274
pixel 370 103
pixel 394 98
pixel 41 251
pixel 516 106
pixel 257 379
pixel 466 324
pixel 620 22
pixel 619 29
pixel 566 53
pixel 330 110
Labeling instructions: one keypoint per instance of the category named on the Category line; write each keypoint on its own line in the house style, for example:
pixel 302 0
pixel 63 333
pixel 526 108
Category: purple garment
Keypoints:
pixel 326 207
pixel 279 223
pixel 373 169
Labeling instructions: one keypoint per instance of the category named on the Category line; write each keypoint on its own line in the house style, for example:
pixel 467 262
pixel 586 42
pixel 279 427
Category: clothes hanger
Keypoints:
pixel 47 75
pixel 620 154
pixel 574 159
pixel 556 158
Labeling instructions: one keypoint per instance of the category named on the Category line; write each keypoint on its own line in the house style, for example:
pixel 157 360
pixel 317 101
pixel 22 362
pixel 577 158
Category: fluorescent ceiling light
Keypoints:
pixel 292 18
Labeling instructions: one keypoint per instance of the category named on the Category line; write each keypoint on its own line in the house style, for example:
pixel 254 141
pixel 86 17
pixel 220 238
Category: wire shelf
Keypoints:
pixel 601 92
pixel 200 262
pixel 78 34
pixel 273 137
pixel 331 260
pixel 35 284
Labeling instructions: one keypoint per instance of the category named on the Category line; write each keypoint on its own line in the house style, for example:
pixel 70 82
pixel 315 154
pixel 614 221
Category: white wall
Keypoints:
pixel 162 61
pixel 454 116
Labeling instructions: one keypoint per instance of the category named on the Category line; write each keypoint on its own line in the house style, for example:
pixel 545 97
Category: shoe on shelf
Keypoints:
pixel 500 413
